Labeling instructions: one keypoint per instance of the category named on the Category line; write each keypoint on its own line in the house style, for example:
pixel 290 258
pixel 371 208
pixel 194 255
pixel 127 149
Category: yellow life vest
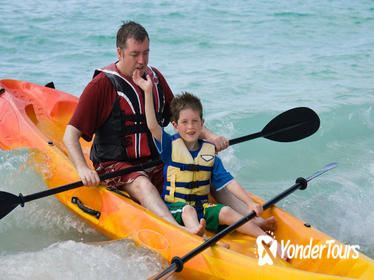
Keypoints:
pixel 187 178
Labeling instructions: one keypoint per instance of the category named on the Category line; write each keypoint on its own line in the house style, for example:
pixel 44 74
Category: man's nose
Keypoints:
pixel 141 59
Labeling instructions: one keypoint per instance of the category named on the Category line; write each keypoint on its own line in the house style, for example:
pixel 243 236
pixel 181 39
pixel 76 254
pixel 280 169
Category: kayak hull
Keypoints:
pixel 35 117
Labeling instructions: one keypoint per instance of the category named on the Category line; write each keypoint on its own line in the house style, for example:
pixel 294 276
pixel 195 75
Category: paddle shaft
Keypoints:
pixel 102 178
pixel 177 263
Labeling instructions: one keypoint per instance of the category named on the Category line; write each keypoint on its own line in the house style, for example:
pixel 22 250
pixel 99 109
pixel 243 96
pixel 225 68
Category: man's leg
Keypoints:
pixel 146 193
pixel 225 197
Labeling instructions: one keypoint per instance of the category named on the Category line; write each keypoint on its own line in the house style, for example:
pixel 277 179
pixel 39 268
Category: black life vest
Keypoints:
pixel 124 136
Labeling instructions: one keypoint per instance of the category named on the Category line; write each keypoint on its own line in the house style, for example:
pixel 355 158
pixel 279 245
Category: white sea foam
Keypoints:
pixel 76 260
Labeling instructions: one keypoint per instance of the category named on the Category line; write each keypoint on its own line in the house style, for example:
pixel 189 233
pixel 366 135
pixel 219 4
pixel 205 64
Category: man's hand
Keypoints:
pixel 257 208
pixel 219 141
pixel 88 176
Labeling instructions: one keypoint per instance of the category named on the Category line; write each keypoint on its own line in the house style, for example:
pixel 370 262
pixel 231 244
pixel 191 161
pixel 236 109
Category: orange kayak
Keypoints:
pixel 35 117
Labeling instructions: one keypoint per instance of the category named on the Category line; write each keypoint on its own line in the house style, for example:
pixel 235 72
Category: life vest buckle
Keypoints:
pixel 189 167
pixel 193 184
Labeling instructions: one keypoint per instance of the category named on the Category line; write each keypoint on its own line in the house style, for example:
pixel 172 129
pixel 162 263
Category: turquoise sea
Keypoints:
pixel 248 61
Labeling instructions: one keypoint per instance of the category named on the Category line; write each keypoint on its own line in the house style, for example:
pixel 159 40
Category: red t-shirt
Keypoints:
pixel 96 103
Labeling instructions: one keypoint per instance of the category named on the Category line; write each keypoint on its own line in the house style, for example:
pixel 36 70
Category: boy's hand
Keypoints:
pixel 257 208
pixel 145 85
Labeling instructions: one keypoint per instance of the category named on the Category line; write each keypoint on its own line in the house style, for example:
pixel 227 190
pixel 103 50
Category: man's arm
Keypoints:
pixel 71 138
pixel 235 188
pixel 219 141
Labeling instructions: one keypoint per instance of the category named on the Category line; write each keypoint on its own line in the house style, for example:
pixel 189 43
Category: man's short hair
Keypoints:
pixel 130 29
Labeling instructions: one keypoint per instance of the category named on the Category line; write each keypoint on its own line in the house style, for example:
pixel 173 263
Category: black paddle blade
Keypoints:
pixel 8 202
pixel 292 125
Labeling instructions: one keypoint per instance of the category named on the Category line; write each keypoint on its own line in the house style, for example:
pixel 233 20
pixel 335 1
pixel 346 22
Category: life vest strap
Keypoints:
pixel 189 185
pixel 191 167
pixel 141 117
pixel 138 128
pixel 189 197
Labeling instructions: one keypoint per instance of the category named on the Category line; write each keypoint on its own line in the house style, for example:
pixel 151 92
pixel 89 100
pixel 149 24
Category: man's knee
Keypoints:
pixel 140 188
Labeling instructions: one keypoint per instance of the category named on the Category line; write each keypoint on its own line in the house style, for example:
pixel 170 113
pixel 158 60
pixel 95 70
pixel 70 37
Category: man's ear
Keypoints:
pixel 119 52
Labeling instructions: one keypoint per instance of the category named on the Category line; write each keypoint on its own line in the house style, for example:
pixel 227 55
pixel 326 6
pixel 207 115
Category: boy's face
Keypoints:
pixel 189 125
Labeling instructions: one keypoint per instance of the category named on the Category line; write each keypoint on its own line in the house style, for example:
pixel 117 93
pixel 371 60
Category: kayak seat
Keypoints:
pixel 62 111
pixel 30 112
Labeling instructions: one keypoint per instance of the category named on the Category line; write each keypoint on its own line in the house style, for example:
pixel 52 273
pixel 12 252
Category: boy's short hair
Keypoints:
pixel 130 29
pixel 182 101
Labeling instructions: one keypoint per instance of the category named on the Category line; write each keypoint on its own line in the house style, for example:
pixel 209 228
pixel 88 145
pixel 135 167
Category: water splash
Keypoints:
pixel 76 260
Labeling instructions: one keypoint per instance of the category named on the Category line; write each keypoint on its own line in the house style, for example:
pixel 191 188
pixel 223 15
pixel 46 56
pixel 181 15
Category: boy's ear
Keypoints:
pixel 175 125
pixel 202 122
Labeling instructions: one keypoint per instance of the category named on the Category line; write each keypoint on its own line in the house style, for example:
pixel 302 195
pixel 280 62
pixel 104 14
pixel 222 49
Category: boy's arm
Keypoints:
pixel 235 188
pixel 146 86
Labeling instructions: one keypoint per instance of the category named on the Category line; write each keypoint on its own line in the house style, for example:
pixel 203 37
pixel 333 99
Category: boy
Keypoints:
pixel 191 165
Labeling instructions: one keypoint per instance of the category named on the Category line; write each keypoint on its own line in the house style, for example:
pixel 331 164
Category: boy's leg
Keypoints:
pixel 191 221
pixel 211 213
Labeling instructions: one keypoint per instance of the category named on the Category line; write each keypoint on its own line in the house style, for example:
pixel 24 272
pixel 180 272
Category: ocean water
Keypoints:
pixel 248 61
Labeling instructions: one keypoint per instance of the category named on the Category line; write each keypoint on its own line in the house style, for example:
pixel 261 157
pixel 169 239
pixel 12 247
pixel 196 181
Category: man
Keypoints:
pixel 112 107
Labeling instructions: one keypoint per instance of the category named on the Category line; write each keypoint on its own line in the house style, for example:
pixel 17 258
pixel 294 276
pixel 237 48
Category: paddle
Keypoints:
pixel 177 262
pixel 10 201
pixel 292 125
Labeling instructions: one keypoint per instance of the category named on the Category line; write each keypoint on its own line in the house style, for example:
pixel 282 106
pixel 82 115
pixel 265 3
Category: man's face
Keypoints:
pixel 133 57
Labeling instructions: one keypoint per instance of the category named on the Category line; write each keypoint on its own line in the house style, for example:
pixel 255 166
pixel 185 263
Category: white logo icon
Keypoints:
pixel 207 157
pixel 264 257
